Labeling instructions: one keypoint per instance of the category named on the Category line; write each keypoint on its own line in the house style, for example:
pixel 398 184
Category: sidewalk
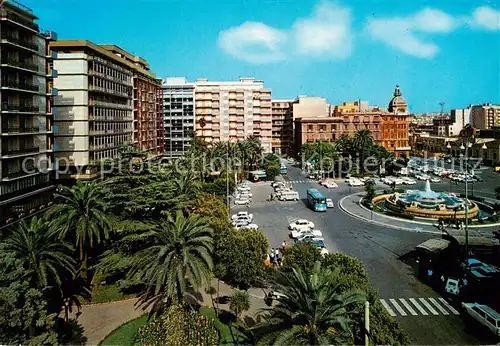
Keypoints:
pixel 98 320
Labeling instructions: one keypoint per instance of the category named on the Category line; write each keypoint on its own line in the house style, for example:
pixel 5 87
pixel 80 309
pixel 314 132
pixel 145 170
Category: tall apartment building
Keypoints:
pixel 95 105
pixel 148 117
pixel 282 122
pixel 485 116
pixel 232 111
pixel 26 108
pixel 178 115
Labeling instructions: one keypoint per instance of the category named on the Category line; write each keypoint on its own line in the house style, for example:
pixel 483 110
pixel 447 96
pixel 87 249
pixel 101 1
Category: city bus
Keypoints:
pixel 316 200
pixel 283 169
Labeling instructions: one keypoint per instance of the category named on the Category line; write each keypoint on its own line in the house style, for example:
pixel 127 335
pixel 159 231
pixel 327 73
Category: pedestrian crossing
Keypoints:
pixel 302 181
pixel 421 306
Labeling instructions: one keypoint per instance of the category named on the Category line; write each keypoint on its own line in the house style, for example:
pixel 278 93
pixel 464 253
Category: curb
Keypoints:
pixel 110 302
pixel 341 206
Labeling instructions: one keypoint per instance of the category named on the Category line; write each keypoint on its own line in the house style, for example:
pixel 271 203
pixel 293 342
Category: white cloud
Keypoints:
pixel 408 34
pixel 254 42
pixel 327 33
pixel 486 17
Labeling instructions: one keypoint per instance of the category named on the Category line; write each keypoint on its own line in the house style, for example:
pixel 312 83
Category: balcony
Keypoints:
pixel 52 73
pixel 22 42
pixel 10 107
pixel 110 104
pixel 21 64
pixel 20 130
pixel 6 15
pixel 19 152
pixel 109 91
pixel 6 84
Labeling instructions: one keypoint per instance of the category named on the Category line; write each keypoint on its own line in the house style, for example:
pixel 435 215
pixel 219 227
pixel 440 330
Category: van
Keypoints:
pixel 484 315
pixel 289 196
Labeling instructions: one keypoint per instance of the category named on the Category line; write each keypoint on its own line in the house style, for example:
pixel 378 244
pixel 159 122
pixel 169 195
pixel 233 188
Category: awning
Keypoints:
pixel 434 245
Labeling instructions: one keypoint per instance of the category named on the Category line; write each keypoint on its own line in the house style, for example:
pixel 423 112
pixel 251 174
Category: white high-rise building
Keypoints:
pixel 233 111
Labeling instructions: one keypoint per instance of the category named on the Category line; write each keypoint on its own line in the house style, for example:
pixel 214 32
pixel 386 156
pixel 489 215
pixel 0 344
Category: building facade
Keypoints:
pixel 485 116
pixel 95 106
pixel 282 121
pixel 389 129
pixel 148 117
pixel 26 91
pixel 178 115
pixel 233 111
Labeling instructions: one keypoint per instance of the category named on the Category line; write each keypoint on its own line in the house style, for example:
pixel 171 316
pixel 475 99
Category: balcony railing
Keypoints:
pixel 21 64
pixel 25 150
pixel 18 19
pixel 110 104
pixel 20 42
pixel 19 129
pixel 10 107
pixel 19 85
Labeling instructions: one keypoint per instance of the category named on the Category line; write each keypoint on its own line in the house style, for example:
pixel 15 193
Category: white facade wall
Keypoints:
pixel 462 118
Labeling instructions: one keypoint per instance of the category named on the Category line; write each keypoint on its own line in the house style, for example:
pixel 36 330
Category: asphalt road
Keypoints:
pixel 386 253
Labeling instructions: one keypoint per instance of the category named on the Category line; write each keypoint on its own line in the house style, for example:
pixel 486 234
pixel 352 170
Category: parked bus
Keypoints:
pixel 316 200
pixel 283 169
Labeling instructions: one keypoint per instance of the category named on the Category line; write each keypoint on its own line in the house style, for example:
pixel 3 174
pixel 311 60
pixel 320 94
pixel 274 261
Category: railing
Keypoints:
pixel 25 150
pixel 20 108
pixel 22 64
pixel 26 171
pixel 18 19
pixel 110 105
pixel 18 129
pixel 19 85
pixel 19 41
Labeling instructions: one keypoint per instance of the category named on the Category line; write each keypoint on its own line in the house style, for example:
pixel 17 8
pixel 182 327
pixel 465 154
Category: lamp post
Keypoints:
pixel 484 147
pixel 462 147
pixel 448 146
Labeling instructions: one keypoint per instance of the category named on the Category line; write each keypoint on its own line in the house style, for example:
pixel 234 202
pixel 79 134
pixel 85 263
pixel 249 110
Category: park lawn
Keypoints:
pixel 108 293
pixel 126 334
pixel 229 333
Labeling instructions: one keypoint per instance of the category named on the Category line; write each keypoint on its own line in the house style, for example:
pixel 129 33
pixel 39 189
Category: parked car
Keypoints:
pixel 309 237
pixel 484 315
pixel 244 219
pixel 409 181
pixel 329 203
pixel 242 201
pixel 242 214
pixel 435 180
pixel 301 224
pixel 330 185
pixel 298 233
pixel 451 286
pixel 251 226
pixel 240 224
pixel 244 188
pixel 244 195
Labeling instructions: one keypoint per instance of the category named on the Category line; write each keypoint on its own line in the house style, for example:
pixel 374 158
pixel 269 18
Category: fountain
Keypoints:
pixel 428 204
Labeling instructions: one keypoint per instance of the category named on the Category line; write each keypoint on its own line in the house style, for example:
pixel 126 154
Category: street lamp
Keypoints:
pixel 484 147
pixel 469 145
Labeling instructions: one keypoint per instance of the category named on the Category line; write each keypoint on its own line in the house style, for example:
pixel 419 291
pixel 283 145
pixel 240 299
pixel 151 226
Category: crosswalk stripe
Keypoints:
pixel 417 305
pixel 408 306
pixel 387 307
pixel 428 306
pixel 451 308
pixel 439 307
pixel 398 307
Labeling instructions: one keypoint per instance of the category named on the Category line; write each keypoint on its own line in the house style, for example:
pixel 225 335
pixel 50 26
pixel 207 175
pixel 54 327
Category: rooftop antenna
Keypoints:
pixel 441 104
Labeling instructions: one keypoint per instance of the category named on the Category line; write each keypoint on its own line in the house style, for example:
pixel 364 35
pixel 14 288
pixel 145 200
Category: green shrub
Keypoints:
pixel 179 326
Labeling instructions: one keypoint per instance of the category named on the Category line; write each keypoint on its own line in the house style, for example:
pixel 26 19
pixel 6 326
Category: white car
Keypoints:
pixel 330 185
pixel 435 180
pixel 309 237
pixel 251 226
pixel 484 315
pixel 243 188
pixel 301 224
pixel 399 181
pixel 240 224
pixel 242 214
pixel 242 201
pixel 452 286
pixel 329 203
pixel 355 182
pixel 242 219
pixel 324 251
pixel 409 181
pixel 243 196
pixel 297 234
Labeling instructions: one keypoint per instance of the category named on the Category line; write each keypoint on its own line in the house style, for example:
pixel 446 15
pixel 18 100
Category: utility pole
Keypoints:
pixel 441 104
pixel 367 323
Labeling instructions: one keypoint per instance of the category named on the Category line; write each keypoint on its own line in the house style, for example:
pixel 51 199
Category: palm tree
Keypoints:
pixel 363 141
pixel 311 309
pixel 45 258
pixel 343 144
pixel 82 212
pixel 182 255
pixel 255 149
pixel 185 189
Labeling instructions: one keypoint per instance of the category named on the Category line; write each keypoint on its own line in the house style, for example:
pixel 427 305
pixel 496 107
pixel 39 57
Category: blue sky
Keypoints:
pixel 436 51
